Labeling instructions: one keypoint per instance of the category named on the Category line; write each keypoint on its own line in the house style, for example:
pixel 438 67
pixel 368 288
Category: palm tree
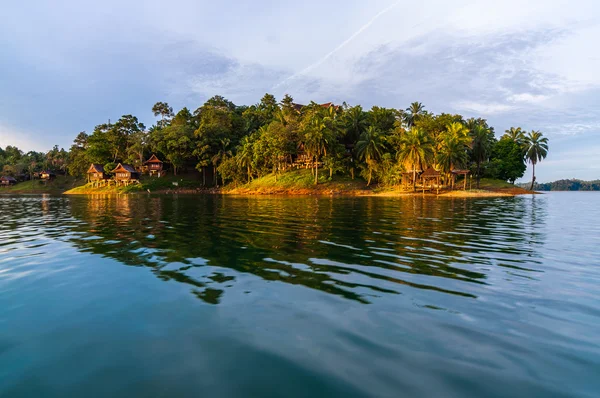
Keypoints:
pixel 536 149
pixel 316 142
pixel 515 134
pixel 223 154
pixel 415 149
pixel 481 146
pixel 245 155
pixel 370 148
pixel 356 123
pixel 413 112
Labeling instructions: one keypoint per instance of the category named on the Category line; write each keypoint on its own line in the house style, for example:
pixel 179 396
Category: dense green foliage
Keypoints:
pixel 235 144
pixel 566 185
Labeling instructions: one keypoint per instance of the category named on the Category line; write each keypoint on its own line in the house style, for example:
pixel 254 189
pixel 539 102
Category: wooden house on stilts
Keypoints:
pixel 125 175
pixel 97 176
pixel 154 166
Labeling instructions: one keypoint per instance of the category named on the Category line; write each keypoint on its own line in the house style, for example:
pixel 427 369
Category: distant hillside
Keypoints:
pixel 565 185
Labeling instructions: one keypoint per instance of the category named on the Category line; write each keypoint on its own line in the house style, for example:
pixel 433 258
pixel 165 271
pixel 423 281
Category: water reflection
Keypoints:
pixel 356 248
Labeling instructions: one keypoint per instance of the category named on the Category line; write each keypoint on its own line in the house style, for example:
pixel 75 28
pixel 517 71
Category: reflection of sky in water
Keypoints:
pixel 451 289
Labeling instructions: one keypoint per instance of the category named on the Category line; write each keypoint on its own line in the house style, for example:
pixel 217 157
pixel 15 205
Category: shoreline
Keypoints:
pixel 315 192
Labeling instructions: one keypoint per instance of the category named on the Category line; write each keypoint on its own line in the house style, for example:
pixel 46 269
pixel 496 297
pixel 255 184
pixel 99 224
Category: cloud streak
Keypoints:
pixel 339 47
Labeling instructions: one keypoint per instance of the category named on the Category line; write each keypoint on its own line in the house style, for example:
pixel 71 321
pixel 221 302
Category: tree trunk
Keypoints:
pixel 248 174
pixel 214 175
pixel 331 172
pixel 352 172
pixel 478 172
pixel 317 171
pixel 533 177
pixel 203 176
pixel 370 172
pixel 414 178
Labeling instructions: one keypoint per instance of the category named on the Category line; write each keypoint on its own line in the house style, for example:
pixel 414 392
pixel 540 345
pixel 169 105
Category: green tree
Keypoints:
pixel 506 161
pixel 413 113
pixel 536 149
pixel 415 150
pixel 370 149
pixel 515 134
pixel 481 146
pixel 452 147
pixel 165 112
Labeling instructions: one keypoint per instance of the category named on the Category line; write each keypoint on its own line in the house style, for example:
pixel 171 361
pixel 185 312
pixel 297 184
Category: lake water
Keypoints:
pixel 300 297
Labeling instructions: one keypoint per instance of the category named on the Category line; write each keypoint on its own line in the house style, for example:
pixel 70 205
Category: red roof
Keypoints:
pixel 153 159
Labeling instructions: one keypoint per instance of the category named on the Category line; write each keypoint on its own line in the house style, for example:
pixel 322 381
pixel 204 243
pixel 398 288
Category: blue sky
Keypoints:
pixel 67 65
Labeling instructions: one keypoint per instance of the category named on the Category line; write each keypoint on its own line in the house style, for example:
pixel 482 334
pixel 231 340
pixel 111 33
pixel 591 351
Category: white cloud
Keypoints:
pixel 484 109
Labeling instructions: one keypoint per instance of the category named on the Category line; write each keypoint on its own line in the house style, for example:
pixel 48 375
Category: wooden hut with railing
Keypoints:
pixel 7 181
pixel 96 175
pixel 126 174
pixel 430 179
pixel 154 166
pixel 458 172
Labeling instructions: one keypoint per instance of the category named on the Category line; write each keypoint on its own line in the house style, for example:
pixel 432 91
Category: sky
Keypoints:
pixel 66 65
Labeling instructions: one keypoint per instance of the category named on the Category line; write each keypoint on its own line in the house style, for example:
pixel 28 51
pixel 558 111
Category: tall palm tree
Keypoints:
pixel 370 149
pixel 413 112
pixel 452 147
pixel 316 143
pixel 481 146
pixel 415 149
pixel 222 155
pixel 536 149
pixel 245 155
pixel 356 123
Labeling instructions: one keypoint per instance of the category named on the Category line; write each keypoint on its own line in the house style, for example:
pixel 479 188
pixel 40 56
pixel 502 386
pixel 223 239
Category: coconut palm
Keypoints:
pixel 481 146
pixel 222 155
pixel 413 112
pixel 316 142
pixel 452 147
pixel 370 149
pixel 515 134
pixel 356 123
pixel 415 149
pixel 536 149
pixel 245 155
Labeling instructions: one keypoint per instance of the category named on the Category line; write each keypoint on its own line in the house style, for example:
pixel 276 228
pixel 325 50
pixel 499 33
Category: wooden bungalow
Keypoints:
pixel 96 175
pixel 154 166
pixel 430 179
pixel 6 181
pixel 464 173
pixel 125 174
pixel 47 175
pixel 408 176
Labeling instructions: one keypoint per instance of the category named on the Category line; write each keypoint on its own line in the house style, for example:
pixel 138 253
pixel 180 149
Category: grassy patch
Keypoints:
pixel 56 186
pixel 151 184
pixel 300 182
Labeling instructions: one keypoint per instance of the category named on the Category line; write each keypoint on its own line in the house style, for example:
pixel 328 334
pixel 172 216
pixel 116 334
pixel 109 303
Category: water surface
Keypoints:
pixel 242 296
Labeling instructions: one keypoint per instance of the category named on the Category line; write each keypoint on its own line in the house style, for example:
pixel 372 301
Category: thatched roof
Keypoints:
pixel 8 178
pixel 431 172
pixel 96 168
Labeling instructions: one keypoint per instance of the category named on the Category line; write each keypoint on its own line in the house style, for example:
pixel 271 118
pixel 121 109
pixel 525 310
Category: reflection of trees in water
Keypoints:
pixel 332 245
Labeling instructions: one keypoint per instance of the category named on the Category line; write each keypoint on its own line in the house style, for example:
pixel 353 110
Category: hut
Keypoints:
pixel 6 181
pixel 47 175
pixel 154 166
pixel 96 174
pixel 431 176
pixel 125 174
pixel 463 173
pixel 408 177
